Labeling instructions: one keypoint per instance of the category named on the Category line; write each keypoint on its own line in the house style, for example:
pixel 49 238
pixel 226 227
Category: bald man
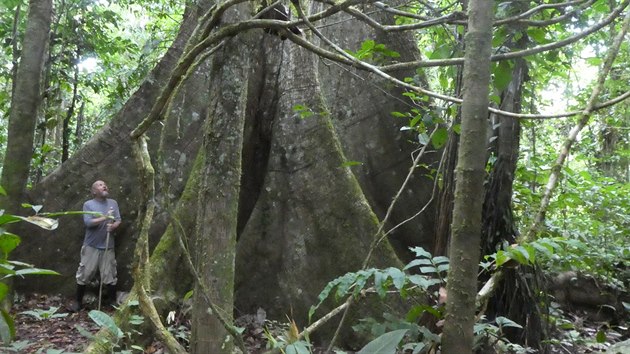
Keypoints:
pixel 97 252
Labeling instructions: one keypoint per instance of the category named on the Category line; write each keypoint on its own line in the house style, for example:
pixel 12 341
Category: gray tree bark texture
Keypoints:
pixel 217 204
pixel 25 101
pixel 108 156
pixel 470 171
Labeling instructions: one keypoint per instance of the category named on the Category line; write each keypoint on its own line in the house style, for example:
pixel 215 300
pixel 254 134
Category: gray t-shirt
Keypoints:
pixel 96 235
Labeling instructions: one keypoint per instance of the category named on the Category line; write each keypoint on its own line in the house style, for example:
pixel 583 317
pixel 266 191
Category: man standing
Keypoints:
pixel 97 252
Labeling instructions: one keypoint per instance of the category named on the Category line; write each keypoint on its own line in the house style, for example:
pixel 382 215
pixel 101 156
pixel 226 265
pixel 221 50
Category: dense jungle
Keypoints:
pixel 323 176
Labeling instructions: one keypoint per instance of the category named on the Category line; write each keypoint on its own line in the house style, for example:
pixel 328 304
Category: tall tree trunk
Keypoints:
pixel 65 146
pixel 445 197
pixel 217 206
pixel 25 101
pixel 516 296
pixel 466 228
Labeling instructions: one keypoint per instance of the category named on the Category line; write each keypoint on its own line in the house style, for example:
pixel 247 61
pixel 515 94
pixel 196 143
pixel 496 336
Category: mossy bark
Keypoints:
pixel 361 107
pixel 108 156
pixel 311 222
pixel 25 100
pixel 218 199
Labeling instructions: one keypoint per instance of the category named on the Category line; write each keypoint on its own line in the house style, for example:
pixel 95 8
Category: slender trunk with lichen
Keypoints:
pixel 25 101
pixel 470 172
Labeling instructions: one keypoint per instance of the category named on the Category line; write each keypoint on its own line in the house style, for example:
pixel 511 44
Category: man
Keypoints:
pixel 97 252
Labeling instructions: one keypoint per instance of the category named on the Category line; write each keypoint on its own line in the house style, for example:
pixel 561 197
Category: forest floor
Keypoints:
pixel 44 325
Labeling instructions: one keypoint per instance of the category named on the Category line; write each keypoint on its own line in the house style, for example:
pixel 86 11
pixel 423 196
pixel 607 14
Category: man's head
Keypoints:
pixel 100 190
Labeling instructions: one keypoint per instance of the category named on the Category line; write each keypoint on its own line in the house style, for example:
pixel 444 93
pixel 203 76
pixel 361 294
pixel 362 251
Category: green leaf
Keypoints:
pixel 443 268
pixel 415 121
pixel 380 280
pixel 440 259
pixel 501 258
pixel 7 327
pixel 417 262
pixel 422 281
pixel 384 344
pixel 441 52
pixel 428 270
pixel 368 45
pixel 4 290
pixel 35 271
pixel 439 138
pixel 600 337
pixel 537 34
pixel 8 219
pixel 104 320
pixel 506 322
pixel 397 275
pixel 423 138
pixel 502 75
pixel 8 242
pixel 299 347
pixel 3 192
pixel 351 163
pixel 420 252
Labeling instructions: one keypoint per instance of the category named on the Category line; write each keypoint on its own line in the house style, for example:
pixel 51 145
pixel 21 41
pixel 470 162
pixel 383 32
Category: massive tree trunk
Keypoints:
pixel 361 107
pixel 303 218
pixel 108 156
pixel 24 105
pixel 217 204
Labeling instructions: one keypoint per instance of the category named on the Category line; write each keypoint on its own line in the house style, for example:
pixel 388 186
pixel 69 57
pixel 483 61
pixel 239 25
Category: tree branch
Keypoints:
pixel 573 134
pixel 513 55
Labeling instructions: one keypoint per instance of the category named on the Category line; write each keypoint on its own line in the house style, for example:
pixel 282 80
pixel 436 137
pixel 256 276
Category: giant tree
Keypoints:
pixel 297 157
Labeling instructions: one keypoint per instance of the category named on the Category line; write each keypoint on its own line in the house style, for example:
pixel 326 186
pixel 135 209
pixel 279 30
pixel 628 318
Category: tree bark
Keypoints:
pixel 217 206
pixel 361 107
pixel 108 156
pixel 466 228
pixel 25 101
pixel 311 222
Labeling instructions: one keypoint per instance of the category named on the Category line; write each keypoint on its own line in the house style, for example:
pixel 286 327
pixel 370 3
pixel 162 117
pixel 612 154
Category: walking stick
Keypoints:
pixel 100 286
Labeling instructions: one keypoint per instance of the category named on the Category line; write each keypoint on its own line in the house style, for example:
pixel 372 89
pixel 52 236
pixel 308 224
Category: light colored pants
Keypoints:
pixel 93 259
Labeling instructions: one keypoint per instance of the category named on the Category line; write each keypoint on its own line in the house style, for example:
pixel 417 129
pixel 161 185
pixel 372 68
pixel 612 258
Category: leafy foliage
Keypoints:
pixel 10 268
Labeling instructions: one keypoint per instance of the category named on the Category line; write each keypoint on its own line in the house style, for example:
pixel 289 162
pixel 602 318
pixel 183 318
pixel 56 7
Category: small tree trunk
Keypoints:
pixel 65 152
pixel 466 227
pixel 24 105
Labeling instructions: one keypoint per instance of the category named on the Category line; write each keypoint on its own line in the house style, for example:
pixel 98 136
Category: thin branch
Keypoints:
pixel 141 269
pixel 460 18
pixel 490 285
pixel 513 55
pixel 573 134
